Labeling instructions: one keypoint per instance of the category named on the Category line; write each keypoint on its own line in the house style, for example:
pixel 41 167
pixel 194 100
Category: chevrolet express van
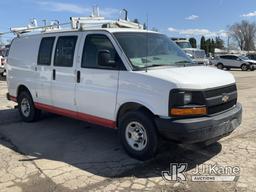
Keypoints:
pixel 138 82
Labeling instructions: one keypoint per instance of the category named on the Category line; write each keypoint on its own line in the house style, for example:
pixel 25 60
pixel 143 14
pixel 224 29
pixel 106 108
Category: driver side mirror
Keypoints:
pixel 104 59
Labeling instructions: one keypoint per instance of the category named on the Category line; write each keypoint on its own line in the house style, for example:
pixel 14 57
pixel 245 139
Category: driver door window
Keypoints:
pixel 92 46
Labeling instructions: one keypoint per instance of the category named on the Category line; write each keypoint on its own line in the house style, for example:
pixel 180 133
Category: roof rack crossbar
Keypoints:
pixel 21 30
pixel 90 22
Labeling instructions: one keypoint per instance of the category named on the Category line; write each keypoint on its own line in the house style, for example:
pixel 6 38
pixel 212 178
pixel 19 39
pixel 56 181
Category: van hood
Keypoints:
pixel 195 77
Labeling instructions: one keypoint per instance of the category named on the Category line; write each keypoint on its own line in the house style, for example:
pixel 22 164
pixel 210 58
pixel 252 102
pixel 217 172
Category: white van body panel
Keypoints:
pixel 145 89
pixel 22 60
pixel 97 92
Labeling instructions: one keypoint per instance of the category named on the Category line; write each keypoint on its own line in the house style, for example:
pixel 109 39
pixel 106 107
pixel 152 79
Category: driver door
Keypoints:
pixel 96 90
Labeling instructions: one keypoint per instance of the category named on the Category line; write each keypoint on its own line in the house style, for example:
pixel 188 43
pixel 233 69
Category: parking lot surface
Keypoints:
pixel 62 154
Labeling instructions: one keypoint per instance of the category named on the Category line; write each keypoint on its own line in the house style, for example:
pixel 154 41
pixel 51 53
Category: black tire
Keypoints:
pixel 244 67
pixel 252 68
pixel 32 113
pixel 206 144
pixel 145 119
pixel 220 66
pixel 228 68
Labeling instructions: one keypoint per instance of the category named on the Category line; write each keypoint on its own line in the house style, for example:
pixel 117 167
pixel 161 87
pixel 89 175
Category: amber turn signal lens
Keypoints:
pixel 188 111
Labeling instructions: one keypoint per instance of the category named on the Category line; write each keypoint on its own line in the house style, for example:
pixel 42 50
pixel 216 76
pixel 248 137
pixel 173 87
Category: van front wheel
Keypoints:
pixel 138 135
pixel 26 107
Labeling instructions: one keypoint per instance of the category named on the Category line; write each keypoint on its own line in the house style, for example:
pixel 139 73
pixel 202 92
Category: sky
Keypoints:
pixel 176 18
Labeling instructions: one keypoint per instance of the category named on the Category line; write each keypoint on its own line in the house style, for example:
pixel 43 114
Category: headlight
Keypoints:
pixel 187 98
pixel 187 103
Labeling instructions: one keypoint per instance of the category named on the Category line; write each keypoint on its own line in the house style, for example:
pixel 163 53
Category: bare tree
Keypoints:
pixel 244 33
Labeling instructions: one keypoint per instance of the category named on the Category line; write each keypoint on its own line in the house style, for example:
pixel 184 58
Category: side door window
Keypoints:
pixel 229 57
pixel 64 52
pixel 224 57
pixel 94 44
pixel 233 58
pixel 45 51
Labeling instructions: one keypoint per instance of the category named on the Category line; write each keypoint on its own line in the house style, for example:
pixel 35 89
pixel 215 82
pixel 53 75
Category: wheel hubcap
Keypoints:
pixel 25 107
pixel 136 136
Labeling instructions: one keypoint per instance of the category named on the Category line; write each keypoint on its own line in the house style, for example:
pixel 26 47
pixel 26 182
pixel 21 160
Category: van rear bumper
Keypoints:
pixel 194 130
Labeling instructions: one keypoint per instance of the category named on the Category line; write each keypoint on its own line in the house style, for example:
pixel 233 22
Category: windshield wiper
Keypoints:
pixel 184 62
pixel 155 65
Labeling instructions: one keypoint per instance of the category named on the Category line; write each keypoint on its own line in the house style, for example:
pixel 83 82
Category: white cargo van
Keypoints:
pixel 138 82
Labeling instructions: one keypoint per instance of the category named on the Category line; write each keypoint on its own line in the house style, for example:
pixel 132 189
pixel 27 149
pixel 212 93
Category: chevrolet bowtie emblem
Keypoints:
pixel 225 98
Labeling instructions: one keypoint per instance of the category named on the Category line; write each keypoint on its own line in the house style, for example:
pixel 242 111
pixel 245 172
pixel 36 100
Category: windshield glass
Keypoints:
pixel 244 58
pixel 151 49
pixel 184 45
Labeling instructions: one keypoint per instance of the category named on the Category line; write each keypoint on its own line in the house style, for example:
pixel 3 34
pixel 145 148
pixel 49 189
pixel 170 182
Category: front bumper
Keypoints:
pixel 201 129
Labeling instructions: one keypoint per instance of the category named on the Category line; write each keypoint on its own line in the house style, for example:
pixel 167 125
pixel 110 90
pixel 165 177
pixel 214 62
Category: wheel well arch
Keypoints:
pixel 246 64
pixel 22 88
pixel 130 106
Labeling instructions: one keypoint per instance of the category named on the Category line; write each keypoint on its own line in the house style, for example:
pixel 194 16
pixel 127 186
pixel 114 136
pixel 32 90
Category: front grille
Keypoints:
pixel 222 107
pixel 220 91
pixel 214 99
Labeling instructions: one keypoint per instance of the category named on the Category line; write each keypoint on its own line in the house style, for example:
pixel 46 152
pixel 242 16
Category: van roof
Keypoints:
pixel 110 30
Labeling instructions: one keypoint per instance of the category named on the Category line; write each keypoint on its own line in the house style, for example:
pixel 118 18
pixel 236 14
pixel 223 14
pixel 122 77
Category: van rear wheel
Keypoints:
pixel 26 107
pixel 138 135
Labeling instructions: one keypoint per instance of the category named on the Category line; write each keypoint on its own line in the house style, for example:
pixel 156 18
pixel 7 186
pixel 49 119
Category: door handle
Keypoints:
pixel 54 74
pixel 78 76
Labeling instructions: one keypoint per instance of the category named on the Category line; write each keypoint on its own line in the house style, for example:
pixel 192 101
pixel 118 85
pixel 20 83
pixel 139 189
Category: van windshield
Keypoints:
pixel 151 50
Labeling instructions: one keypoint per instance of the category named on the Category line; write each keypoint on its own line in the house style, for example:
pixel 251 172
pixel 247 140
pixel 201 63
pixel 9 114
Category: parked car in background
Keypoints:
pixel 2 65
pixel 251 56
pixel 234 61
pixel 3 59
pixel 197 55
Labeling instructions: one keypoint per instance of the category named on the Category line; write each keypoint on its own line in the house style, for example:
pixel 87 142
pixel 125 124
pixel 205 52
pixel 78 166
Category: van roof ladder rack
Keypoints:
pixel 79 23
